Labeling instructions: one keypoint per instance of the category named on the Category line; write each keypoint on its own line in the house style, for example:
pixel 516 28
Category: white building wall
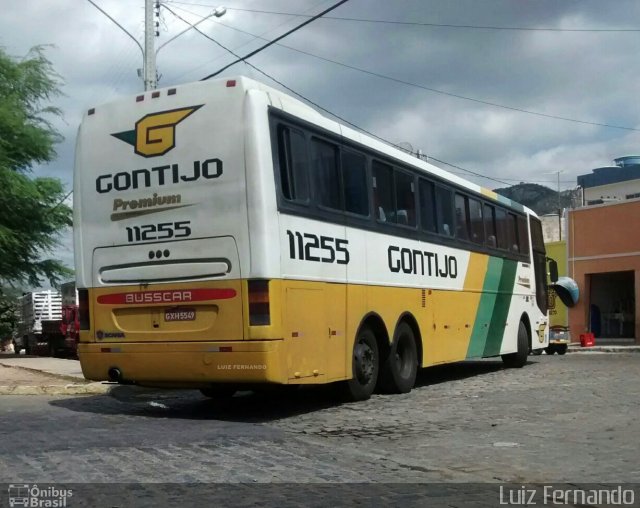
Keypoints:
pixel 614 191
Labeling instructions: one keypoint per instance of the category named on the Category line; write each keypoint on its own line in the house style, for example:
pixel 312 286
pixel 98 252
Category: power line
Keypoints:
pixel 254 37
pixel 315 104
pixel 198 30
pixel 274 41
pixel 437 25
pixel 441 92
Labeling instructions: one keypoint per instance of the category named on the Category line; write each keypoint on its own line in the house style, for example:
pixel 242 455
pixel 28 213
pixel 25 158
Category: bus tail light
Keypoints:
pixel 83 309
pixel 259 303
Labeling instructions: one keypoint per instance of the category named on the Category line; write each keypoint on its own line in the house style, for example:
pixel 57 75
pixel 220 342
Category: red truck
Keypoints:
pixel 70 326
pixel 60 337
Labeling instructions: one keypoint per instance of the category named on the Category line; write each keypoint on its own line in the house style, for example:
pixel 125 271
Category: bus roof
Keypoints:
pixel 307 112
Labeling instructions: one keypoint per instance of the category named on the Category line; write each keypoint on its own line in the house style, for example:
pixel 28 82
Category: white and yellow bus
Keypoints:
pixel 227 235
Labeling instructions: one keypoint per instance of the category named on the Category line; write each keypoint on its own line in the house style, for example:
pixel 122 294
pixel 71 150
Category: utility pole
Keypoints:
pixel 150 71
pixel 152 9
pixel 559 211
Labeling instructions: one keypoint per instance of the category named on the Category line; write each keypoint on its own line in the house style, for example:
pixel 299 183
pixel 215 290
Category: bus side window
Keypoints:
pixel 383 192
pixel 405 199
pixel 462 217
pixel 292 152
pixel 427 205
pixel 475 221
pixel 503 229
pixel 324 164
pixel 490 225
pixel 354 182
pixel 523 235
pixel 513 233
pixel 444 209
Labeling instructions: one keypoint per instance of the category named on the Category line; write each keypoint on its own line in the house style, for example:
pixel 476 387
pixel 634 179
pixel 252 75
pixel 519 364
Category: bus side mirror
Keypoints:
pixel 553 270
pixel 567 290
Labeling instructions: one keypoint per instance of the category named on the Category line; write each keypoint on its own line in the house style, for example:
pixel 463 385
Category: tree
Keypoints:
pixel 33 213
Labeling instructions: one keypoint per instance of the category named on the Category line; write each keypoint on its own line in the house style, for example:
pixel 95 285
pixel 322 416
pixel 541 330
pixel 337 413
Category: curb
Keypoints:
pixel 73 385
pixel 605 349
pixel 63 377
pixel 70 389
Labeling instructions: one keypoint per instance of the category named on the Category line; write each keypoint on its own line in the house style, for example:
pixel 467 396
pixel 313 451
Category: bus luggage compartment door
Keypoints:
pixel 169 291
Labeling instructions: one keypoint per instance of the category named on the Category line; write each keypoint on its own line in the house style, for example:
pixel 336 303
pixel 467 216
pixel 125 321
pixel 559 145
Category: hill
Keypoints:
pixel 539 198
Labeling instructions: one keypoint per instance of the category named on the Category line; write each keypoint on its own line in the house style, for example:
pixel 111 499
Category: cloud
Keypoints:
pixel 590 76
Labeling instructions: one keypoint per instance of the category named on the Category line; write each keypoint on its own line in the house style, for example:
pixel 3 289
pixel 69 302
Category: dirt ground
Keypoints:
pixel 11 376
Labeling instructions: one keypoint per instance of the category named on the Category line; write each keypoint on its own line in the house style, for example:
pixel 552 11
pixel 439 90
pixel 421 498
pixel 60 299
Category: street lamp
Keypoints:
pixel 150 70
pixel 149 53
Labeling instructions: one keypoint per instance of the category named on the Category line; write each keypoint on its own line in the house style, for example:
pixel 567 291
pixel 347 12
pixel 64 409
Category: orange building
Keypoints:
pixel 604 259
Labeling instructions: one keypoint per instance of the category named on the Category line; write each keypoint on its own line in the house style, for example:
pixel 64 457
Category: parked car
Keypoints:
pixel 559 339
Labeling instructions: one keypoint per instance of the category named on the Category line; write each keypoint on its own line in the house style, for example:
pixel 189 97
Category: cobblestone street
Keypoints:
pixel 559 419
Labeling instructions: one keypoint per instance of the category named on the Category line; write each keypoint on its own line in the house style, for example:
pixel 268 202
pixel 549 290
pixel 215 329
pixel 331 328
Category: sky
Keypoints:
pixel 418 84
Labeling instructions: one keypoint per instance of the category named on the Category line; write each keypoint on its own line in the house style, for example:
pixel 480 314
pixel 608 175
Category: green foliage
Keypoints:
pixel 9 313
pixel 33 214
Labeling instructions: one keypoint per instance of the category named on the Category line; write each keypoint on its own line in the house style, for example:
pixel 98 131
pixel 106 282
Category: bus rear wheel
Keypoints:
pixel 398 374
pixel 365 367
pixel 519 358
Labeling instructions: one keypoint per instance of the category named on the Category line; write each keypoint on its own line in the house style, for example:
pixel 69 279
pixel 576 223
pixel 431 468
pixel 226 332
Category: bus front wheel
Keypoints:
pixel 398 374
pixel 365 367
pixel 519 358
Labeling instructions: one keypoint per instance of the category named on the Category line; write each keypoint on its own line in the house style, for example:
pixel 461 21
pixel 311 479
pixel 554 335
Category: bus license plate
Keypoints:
pixel 180 315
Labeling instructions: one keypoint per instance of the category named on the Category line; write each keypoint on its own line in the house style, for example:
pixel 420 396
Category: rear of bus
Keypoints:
pixel 161 240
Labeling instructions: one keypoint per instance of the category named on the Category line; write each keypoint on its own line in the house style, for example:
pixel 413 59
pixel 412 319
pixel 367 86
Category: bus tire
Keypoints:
pixel 561 350
pixel 399 371
pixel 220 391
pixel 365 366
pixel 519 358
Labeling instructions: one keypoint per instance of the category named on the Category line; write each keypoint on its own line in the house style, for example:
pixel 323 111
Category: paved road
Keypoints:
pixel 560 419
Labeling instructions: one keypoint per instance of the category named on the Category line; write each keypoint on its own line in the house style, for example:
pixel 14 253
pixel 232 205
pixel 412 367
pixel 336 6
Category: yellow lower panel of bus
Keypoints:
pixel 186 364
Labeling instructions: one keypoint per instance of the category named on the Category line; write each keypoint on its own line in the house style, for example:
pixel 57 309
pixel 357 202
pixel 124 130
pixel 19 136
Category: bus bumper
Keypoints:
pixel 186 365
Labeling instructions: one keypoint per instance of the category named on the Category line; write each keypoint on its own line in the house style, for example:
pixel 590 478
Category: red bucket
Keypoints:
pixel 587 340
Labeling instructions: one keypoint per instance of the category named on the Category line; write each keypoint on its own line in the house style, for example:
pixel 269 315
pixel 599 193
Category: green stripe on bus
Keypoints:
pixel 501 308
pixel 485 308
pixel 509 202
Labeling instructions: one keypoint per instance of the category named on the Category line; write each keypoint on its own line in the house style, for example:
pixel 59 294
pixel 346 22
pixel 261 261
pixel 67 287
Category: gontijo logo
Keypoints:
pixel 155 134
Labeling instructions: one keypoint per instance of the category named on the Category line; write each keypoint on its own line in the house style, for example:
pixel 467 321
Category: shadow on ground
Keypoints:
pixel 251 406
